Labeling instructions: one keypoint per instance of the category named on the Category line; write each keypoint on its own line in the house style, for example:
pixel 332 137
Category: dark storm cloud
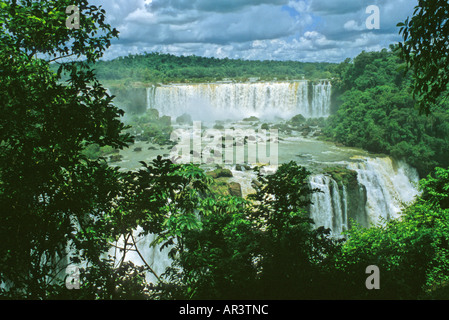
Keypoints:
pixel 312 30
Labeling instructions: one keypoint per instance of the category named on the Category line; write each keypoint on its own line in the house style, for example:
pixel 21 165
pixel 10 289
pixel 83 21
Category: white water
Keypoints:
pixel 389 185
pixel 150 255
pixel 384 184
pixel 326 209
pixel 214 101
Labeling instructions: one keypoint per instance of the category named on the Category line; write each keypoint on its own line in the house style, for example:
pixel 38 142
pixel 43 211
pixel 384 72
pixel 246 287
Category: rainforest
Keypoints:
pixel 157 176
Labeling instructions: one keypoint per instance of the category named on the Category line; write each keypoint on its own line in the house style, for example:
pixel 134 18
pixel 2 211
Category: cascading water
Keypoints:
pixel 389 185
pixel 321 100
pixel 329 208
pixel 236 100
pixel 141 252
pixel 375 191
pixel 384 185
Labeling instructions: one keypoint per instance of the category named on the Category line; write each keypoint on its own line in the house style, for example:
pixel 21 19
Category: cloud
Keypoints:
pixel 352 25
pixel 211 6
pixel 306 30
pixel 337 6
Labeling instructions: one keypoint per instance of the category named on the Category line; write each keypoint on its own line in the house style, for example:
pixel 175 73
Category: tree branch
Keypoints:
pixel 141 257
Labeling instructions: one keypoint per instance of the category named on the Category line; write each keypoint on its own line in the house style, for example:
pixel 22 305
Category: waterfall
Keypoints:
pixel 329 205
pixel 213 101
pixel 383 187
pixel 321 100
pixel 389 185
pixel 157 259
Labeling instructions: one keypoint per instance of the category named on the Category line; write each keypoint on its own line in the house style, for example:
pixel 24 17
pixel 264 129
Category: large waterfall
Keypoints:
pixel 361 188
pixel 213 101
pixel 329 206
pixel 383 186
pixel 389 184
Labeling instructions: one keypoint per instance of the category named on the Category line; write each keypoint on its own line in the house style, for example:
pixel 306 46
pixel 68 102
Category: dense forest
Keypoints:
pixel 62 205
pixel 373 101
pixel 163 68
pixel 377 112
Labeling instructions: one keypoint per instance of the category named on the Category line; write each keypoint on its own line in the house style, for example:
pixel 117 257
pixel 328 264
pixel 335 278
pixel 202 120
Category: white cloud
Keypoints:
pixel 352 25
pixel 307 30
pixel 299 6
pixel 140 15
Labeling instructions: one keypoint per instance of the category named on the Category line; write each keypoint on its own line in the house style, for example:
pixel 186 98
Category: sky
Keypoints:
pixel 300 30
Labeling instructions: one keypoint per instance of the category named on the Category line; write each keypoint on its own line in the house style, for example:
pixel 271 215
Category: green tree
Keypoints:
pixel 425 49
pixel 376 112
pixel 412 252
pixel 54 200
pixel 218 258
pixel 264 247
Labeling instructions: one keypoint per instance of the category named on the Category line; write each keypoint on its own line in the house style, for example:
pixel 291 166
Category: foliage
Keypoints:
pixel 94 151
pixel 425 49
pixel 436 188
pixel 63 205
pixel 52 197
pixel 149 126
pixel 163 68
pixel 412 252
pixel 296 259
pixel 260 248
pixel 297 120
pixel 184 119
pixel 217 260
pixel 345 176
pixel 376 112
pixel 63 208
pixel 161 198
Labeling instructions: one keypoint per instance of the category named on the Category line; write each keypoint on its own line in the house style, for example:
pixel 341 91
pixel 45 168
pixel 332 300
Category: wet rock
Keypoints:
pixel 235 189
pixel 195 154
pixel 256 183
pixel 184 119
pixel 252 118
pixel 216 153
pixel 220 173
pixel 115 158
pixel 221 187
pixel 297 120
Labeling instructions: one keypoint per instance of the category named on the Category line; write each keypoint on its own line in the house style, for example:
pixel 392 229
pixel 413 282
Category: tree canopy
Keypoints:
pixel 425 48
pixel 158 67
pixel 51 196
pixel 377 112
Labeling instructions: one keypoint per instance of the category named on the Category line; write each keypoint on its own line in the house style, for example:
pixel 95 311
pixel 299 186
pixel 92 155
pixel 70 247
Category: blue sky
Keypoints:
pixel 302 30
